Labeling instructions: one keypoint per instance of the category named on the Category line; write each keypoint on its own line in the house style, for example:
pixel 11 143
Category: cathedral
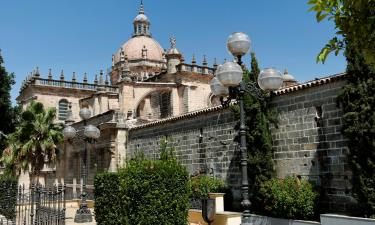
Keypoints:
pixel 145 84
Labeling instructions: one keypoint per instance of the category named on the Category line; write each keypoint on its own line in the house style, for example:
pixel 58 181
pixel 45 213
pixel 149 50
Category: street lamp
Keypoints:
pixel 90 134
pixel 228 83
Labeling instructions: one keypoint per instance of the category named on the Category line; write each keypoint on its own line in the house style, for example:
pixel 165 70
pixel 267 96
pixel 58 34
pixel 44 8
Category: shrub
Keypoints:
pixel 8 196
pixel 155 192
pixel 202 185
pixel 107 199
pixel 144 192
pixel 289 198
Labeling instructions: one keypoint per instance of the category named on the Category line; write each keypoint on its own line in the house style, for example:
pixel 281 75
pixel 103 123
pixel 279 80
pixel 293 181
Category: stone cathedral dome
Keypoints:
pixel 141 46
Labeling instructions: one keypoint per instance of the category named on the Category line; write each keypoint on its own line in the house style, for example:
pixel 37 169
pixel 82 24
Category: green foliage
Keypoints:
pixel 35 140
pixel 8 113
pixel 355 22
pixel 358 102
pixel 144 192
pixel 259 115
pixel 155 192
pixel 107 199
pixel 167 151
pixel 8 196
pixel 202 185
pixel 289 198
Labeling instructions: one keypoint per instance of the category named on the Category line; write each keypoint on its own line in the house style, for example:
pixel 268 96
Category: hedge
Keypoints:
pixel 8 196
pixel 202 185
pixel 289 198
pixel 144 192
pixel 107 200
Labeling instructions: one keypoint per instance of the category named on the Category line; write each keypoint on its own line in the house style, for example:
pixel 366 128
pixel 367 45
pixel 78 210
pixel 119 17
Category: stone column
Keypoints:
pixel 175 102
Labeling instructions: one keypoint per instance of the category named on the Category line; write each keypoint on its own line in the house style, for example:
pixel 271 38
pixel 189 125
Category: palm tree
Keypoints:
pixel 35 140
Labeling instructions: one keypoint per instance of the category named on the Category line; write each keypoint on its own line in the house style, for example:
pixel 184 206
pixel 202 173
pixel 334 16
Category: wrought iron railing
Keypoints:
pixel 36 205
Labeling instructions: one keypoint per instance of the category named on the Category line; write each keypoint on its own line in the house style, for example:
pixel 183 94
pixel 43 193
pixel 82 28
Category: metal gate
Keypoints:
pixel 36 205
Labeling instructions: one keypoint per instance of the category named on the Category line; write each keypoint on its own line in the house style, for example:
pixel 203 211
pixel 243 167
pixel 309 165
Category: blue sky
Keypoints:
pixel 81 36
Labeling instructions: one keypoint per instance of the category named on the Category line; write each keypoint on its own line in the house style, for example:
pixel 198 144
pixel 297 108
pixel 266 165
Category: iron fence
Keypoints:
pixel 37 205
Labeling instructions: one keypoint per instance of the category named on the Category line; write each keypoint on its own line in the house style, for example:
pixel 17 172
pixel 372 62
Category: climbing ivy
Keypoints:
pixel 358 102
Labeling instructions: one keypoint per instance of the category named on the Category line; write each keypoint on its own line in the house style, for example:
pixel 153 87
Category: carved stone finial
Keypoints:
pixel 204 63
pixel 96 79
pixel 74 79
pixel 101 79
pixel 85 78
pixel 172 40
pixel 49 74
pixel 193 61
pixel 62 77
pixel 141 8
pixel 37 74
pixel 106 78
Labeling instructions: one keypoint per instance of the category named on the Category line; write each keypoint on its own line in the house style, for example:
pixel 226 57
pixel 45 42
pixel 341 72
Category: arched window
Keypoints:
pixel 156 105
pixel 63 109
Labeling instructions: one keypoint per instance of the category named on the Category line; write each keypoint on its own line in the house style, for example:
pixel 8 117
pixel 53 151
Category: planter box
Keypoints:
pixel 331 219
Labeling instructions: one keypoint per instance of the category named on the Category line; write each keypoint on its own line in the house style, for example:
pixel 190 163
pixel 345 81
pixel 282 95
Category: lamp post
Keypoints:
pixel 228 83
pixel 90 134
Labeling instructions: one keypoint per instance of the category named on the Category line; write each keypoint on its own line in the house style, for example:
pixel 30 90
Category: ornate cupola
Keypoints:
pixel 143 54
pixel 141 23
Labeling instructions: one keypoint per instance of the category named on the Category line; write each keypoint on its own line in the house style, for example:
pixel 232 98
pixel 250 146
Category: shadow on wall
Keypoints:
pixel 332 180
pixel 232 200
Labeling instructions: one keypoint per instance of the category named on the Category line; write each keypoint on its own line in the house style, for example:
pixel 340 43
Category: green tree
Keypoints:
pixel 35 140
pixel 259 114
pixel 354 20
pixel 358 102
pixel 8 113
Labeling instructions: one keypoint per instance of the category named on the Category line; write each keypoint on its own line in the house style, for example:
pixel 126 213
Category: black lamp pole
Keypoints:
pixel 83 214
pixel 238 93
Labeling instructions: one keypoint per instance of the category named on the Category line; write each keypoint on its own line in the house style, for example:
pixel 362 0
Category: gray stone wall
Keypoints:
pixel 203 143
pixel 308 142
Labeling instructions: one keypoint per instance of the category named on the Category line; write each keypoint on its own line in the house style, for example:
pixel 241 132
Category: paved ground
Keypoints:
pixel 70 212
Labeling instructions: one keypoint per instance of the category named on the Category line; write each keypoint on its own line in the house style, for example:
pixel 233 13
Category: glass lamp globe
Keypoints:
pixel 85 113
pixel 217 88
pixel 91 132
pixel 69 132
pixel 238 44
pixel 270 79
pixel 229 74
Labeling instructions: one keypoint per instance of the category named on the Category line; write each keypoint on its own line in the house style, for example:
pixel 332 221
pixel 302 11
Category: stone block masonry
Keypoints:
pixel 307 142
pixel 203 143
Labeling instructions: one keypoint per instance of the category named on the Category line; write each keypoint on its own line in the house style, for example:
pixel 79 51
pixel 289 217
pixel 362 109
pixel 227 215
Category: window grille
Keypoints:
pixel 63 109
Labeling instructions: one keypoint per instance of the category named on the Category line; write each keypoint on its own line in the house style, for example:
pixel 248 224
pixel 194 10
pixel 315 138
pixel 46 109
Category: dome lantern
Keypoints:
pixel 141 23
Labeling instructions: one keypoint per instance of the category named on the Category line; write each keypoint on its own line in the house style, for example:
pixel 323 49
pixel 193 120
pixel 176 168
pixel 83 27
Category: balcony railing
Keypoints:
pixel 69 84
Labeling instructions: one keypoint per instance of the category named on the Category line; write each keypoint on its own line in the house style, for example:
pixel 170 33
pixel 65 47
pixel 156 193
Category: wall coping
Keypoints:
pixel 347 217
pixel 312 83
pixel 180 117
